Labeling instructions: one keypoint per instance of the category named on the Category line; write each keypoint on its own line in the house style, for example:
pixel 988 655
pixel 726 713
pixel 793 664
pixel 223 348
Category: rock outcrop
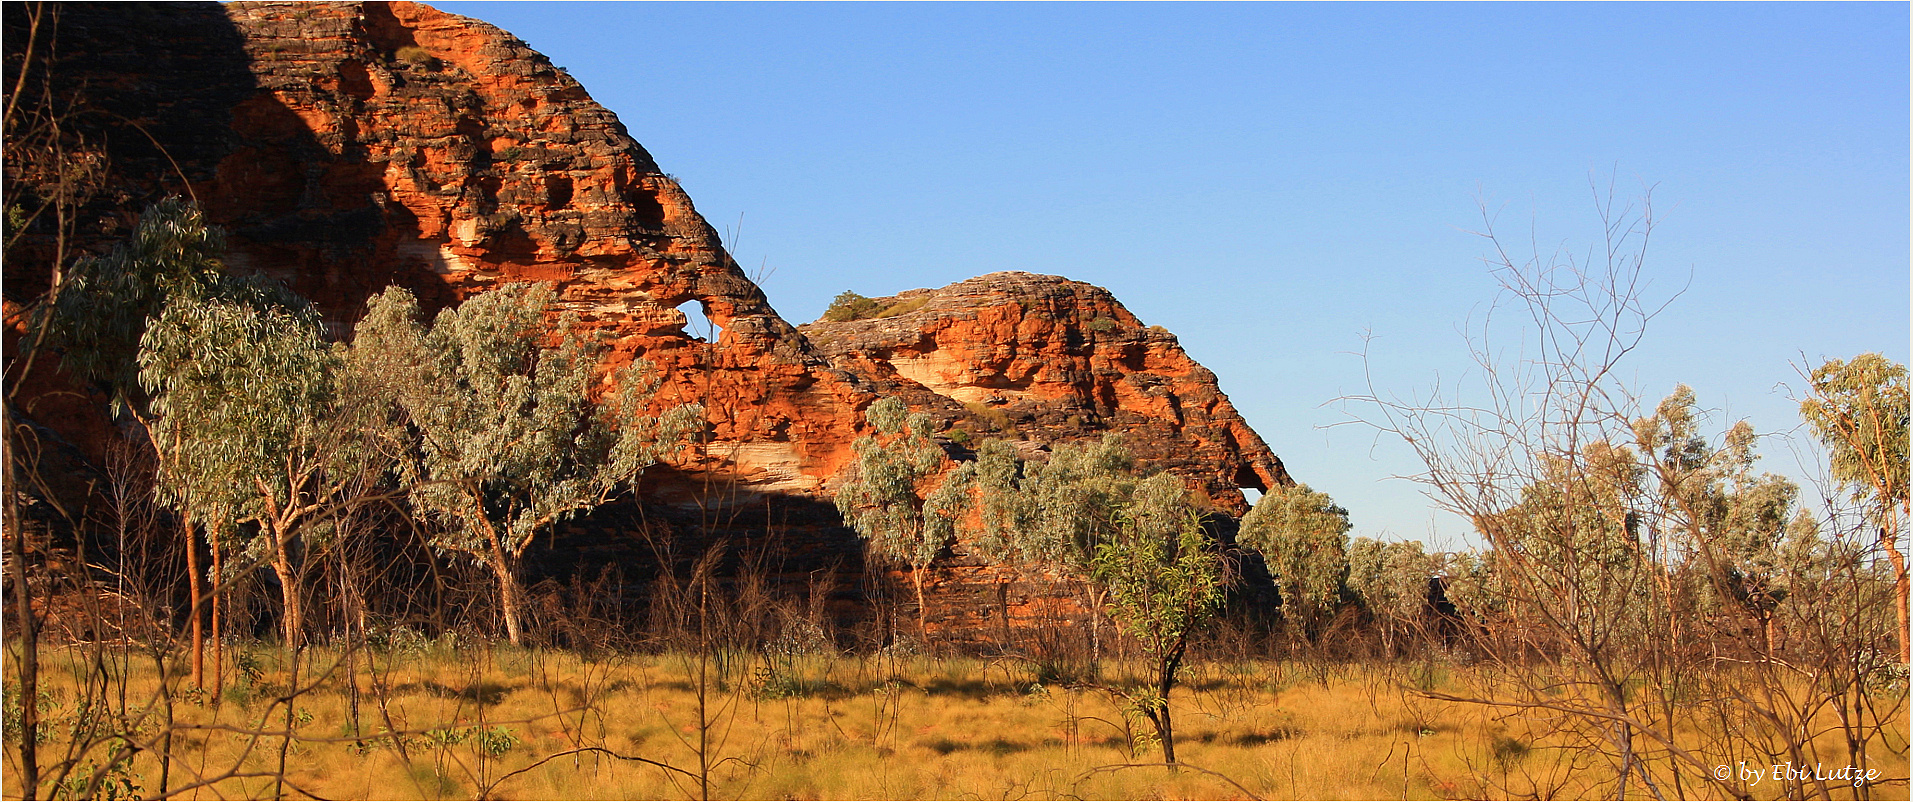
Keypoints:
pixel 1044 360
pixel 350 146
pixel 461 159
pixel 346 147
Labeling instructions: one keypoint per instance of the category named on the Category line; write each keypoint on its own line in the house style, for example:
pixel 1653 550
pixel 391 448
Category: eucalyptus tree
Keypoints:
pixel 1571 551
pixel 1859 409
pixel 260 442
pixel 1165 580
pixel 100 309
pixel 1041 514
pixel 1073 502
pixel 105 302
pixel 1137 540
pixel 1476 585
pixel 1304 536
pixel 977 501
pixel 1049 513
pixel 881 498
pixel 508 442
pixel 1726 520
pixel 1391 578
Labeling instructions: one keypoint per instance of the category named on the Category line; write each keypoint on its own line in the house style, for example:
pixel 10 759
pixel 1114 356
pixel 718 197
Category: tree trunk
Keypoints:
pixel 1164 726
pixel 29 665
pixel 509 603
pixel 194 587
pixel 1003 606
pixel 1095 628
pixel 1168 732
pixel 219 633
pixel 923 619
pixel 294 614
pixel 1899 587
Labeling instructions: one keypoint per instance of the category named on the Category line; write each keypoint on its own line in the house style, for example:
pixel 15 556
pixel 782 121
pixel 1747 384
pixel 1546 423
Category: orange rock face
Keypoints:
pixel 471 161
pixel 1046 360
pixel 346 147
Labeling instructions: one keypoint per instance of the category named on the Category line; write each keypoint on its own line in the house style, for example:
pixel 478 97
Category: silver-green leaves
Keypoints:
pixel 1304 537
pixel 506 442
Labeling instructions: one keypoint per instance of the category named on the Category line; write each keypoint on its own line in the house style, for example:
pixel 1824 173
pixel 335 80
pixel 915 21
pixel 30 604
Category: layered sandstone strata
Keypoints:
pixel 350 146
pixel 1042 360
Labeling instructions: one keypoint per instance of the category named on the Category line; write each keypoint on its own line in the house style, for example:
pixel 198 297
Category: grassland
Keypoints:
pixel 441 722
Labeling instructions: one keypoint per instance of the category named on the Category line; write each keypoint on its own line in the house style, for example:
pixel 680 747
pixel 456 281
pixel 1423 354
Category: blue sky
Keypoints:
pixel 1272 181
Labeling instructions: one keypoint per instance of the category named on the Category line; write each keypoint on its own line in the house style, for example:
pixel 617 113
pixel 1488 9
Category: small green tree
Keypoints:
pixel 508 442
pixel 1304 537
pixel 1049 514
pixel 1165 580
pixel 1859 409
pixel 1391 579
pixel 101 309
pixel 258 442
pixel 851 306
pixel 880 496
pixel 1137 541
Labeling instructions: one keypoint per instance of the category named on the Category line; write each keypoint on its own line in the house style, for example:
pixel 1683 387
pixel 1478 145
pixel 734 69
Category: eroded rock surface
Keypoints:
pixel 346 147
pixel 452 158
pixel 350 146
pixel 1042 360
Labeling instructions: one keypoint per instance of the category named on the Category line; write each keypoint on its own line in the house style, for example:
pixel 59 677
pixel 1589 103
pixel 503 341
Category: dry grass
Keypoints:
pixel 904 307
pixel 462 721
pixel 997 419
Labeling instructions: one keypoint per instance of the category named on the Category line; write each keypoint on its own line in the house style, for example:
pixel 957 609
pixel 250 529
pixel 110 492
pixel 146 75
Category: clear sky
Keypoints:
pixel 1272 181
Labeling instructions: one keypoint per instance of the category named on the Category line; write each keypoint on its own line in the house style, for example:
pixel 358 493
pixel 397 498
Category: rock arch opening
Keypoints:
pixel 697 325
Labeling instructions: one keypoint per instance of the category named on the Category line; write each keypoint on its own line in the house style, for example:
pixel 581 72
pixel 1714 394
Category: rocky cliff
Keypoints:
pixel 1041 360
pixel 349 146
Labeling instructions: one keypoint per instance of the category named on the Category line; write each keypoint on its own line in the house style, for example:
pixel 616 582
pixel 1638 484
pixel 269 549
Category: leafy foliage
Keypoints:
pixel 238 390
pixel 1723 516
pixel 1859 408
pixel 849 306
pixel 1058 513
pixel 104 303
pixel 880 498
pixel 1391 579
pixel 1164 576
pixel 1052 513
pixel 1304 536
pixel 508 441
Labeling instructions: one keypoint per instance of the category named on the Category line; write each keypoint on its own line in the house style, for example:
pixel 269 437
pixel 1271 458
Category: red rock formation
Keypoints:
pixel 1046 359
pixel 369 144
pixel 354 145
pixel 480 163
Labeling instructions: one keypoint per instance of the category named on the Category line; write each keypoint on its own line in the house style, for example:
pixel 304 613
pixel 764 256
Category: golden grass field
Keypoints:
pixel 504 723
